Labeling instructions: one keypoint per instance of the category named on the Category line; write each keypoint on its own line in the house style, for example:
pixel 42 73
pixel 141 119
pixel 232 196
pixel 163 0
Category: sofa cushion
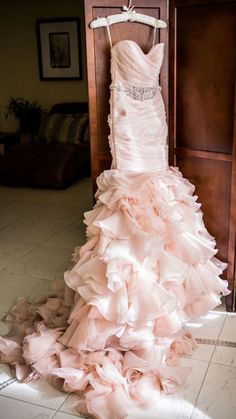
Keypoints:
pixel 50 165
pixel 63 128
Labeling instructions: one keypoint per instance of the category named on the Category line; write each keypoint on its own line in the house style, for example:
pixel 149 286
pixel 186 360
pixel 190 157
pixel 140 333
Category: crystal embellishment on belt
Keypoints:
pixel 137 92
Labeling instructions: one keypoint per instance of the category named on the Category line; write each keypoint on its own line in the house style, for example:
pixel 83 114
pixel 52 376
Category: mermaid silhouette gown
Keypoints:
pixel 114 332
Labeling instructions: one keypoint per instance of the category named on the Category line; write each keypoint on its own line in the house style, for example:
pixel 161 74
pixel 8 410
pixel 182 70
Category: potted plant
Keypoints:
pixel 28 114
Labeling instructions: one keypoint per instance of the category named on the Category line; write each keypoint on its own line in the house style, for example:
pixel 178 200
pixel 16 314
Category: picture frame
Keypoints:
pixel 59 49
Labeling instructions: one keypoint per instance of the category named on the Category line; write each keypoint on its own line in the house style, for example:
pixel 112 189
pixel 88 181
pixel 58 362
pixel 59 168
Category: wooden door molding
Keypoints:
pixel 232 226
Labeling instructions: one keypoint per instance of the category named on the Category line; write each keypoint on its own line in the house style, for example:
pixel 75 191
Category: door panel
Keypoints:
pixel 206 76
pixel 211 180
pixel 201 113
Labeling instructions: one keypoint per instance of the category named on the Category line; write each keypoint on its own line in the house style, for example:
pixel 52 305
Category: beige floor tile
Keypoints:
pixel 23 194
pixel 69 405
pixel 60 415
pixel 180 405
pixel 199 414
pixel 221 307
pixel 35 228
pixel 16 409
pixel 5 372
pixel 147 414
pixel 217 397
pixel 43 262
pixel 203 352
pixel 11 251
pixel 16 286
pixel 10 212
pixel 40 223
pixel 69 237
pixel 8 194
pixel 225 355
pixel 229 329
pixel 58 213
pixel 38 392
pixel 208 326
pixel 80 193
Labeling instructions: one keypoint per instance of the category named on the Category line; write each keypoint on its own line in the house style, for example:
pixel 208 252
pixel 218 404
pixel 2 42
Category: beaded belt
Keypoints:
pixel 137 92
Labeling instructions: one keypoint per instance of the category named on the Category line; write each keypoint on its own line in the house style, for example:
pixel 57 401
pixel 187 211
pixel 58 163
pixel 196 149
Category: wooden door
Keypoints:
pixel 201 113
pixel 98 64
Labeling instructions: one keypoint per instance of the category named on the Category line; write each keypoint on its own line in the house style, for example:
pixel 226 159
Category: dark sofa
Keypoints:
pixel 52 162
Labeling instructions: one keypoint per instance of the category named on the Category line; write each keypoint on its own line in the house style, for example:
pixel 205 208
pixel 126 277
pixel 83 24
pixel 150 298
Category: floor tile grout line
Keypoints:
pixel 216 342
pixel 58 409
pixel 58 247
pixel 218 337
pixel 32 275
pixel 7 382
pixel 74 220
pixel 57 232
pixel 223 365
pixel 63 411
pixel 199 391
pixel 209 363
pixel 2 228
pixel 51 202
pixel 26 401
pixel 41 242
pixel 80 416
pixel 36 244
pixel 28 297
pixel 17 259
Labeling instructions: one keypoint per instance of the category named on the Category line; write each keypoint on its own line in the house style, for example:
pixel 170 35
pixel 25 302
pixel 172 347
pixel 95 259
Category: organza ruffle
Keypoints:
pixel 113 333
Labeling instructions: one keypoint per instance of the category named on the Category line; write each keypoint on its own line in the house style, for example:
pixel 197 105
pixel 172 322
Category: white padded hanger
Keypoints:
pixel 128 15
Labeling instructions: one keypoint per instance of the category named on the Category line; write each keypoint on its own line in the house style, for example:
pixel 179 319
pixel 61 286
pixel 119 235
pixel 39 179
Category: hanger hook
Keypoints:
pixel 129 8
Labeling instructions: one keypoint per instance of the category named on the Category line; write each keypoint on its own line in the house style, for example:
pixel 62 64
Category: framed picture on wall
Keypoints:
pixel 59 49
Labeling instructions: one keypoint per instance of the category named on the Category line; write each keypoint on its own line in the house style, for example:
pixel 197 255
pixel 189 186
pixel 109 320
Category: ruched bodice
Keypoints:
pixel 138 128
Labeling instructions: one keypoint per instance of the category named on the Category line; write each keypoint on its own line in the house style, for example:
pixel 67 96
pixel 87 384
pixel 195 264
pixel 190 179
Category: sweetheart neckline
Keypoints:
pixel 137 45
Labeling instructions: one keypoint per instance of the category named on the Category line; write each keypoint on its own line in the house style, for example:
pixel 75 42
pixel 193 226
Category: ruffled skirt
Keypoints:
pixel 113 332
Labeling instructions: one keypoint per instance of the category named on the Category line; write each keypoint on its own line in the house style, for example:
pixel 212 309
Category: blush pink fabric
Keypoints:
pixel 114 333
pixel 138 128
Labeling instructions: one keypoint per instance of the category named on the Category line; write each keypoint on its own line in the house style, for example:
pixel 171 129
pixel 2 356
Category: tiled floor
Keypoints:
pixel 38 232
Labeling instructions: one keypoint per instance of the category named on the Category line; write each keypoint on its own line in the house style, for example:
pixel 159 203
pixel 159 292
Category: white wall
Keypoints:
pixel 19 71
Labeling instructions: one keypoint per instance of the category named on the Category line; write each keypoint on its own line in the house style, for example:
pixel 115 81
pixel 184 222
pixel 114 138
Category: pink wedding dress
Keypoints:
pixel 114 331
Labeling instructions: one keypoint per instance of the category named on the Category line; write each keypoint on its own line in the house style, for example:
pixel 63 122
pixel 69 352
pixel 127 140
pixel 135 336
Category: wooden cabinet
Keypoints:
pixel 198 86
pixel 202 66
